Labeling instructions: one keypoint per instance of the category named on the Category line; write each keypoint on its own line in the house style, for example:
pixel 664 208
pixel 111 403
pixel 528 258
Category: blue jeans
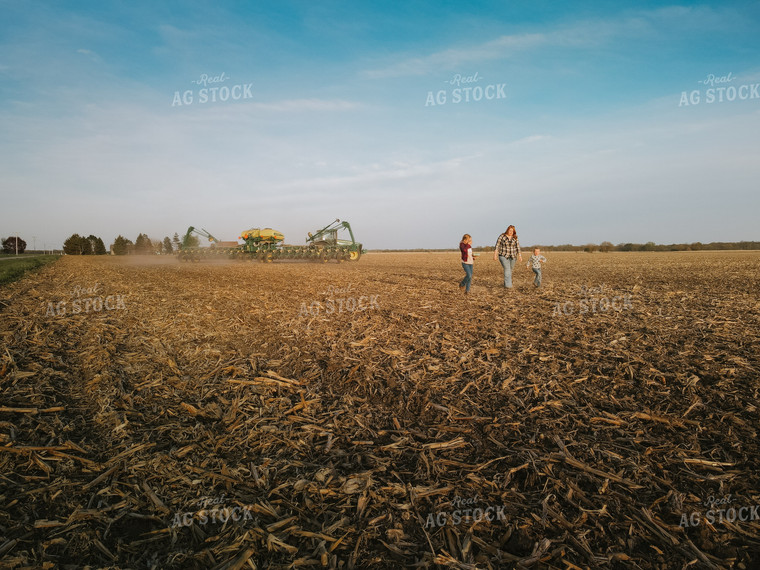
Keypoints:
pixel 537 280
pixel 508 263
pixel 467 281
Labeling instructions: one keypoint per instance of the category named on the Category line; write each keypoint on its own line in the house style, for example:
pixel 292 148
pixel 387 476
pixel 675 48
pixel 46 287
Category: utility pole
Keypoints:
pixel 34 241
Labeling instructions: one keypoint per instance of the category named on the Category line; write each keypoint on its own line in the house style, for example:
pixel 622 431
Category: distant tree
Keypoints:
pixel 168 245
pixel 590 248
pixel 92 243
pixel 139 243
pixel 100 247
pixel 649 246
pixel 606 247
pixel 143 245
pixel 121 245
pixel 77 245
pixel 97 247
pixel 175 242
pixel 85 246
pixel 10 244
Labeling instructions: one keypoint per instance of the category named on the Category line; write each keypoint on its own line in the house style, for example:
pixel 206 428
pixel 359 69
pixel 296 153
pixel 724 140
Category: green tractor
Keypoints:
pixel 327 239
pixel 266 245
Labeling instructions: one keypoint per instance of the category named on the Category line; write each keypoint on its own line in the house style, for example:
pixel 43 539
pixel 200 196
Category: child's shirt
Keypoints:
pixel 535 261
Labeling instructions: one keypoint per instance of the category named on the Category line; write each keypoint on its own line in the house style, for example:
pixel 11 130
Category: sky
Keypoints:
pixel 417 122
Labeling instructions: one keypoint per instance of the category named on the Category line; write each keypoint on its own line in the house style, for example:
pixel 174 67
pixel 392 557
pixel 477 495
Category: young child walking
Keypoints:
pixel 465 248
pixel 535 263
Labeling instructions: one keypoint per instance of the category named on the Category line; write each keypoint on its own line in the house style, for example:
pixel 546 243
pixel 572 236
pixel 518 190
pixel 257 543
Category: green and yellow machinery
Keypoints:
pixel 327 238
pixel 267 245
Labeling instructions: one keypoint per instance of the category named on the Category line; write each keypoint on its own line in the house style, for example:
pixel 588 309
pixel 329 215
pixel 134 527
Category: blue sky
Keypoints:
pixel 585 138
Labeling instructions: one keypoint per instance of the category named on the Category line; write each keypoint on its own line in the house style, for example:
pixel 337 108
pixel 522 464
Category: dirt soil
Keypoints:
pixel 371 415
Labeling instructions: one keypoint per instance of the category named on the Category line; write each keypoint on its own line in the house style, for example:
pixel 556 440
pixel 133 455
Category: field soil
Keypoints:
pixel 369 414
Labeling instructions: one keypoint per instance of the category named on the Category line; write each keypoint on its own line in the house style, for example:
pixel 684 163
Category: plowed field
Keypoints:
pixel 370 415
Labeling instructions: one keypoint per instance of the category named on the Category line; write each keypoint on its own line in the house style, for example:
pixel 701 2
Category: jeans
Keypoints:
pixel 467 281
pixel 508 263
pixel 537 280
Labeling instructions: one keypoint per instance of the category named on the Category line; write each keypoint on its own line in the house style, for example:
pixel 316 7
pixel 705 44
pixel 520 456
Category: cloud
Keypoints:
pixel 89 54
pixel 306 105
pixel 495 49
pixel 581 34
pixel 363 176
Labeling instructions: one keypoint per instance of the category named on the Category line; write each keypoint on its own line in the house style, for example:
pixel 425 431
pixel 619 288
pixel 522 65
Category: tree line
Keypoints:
pixel 143 245
pixel 80 245
pixel 606 246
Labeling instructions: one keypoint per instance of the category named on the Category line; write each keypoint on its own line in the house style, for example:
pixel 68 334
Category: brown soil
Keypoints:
pixel 587 419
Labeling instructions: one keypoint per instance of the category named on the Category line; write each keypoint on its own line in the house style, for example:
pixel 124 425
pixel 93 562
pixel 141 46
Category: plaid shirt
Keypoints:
pixel 507 247
pixel 535 261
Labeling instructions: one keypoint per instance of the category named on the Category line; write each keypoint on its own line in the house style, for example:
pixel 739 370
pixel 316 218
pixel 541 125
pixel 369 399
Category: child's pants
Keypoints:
pixel 537 280
pixel 467 276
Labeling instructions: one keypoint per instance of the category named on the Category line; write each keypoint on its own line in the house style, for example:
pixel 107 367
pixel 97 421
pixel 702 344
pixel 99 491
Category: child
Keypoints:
pixel 465 248
pixel 535 263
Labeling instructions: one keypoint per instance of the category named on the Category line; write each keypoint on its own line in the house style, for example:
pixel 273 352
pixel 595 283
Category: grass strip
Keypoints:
pixel 13 269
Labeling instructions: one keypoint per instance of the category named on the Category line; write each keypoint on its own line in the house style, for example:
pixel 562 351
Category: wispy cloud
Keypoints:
pixel 495 49
pixel 367 175
pixel 589 33
pixel 306 105
pixel 89 54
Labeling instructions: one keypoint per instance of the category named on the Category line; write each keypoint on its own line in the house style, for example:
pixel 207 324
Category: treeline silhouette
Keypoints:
pixel 651 246
pixel 606 246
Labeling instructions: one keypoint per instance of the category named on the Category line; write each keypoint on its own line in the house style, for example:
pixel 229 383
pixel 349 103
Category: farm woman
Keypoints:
pixel 507 249
pixel 465 248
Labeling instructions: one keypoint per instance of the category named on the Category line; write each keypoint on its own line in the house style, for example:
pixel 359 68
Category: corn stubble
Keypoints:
pixel 343 435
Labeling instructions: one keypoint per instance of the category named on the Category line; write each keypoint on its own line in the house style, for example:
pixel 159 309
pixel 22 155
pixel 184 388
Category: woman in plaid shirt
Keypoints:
pixel 507 249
